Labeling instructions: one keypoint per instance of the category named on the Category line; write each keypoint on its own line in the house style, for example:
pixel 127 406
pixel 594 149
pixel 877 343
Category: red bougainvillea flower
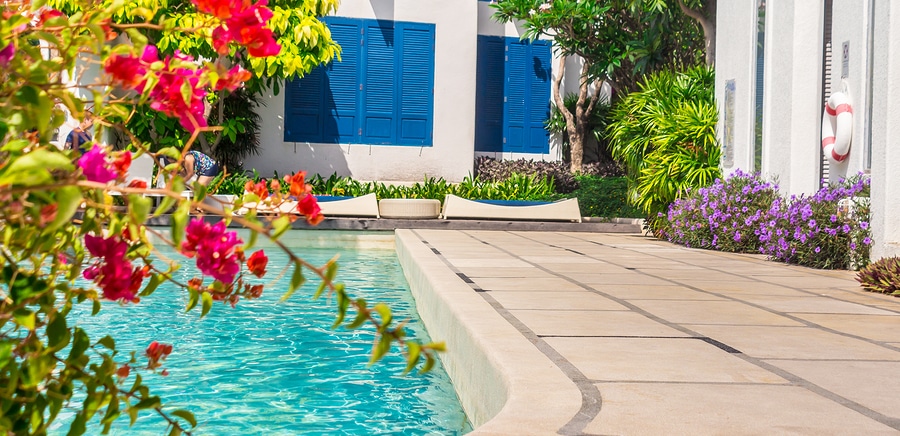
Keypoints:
pixel 232 79
pixel 259 189
pixel 126 71
pixel 156 353
pixel 167 96
pixel 137 183
pixel 309 207
pixel 244 23
pixel 257 263
pixel 7 54
pixel 214 248
pixel 123 371
pixel 113 272
pixel 122 163
pixel 48 213
pixel 96 167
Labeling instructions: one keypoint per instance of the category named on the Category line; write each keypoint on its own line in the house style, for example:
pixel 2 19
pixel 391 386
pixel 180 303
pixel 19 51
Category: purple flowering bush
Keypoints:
pixel 724 216
pixel 814 231
pixel 743 213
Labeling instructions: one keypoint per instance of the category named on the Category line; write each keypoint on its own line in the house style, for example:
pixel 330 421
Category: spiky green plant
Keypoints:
pixel 882 276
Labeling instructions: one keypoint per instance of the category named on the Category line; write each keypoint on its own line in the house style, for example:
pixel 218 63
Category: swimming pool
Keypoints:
pixel 274 368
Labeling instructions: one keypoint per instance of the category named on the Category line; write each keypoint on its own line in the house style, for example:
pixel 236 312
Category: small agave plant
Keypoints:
pixel 881 276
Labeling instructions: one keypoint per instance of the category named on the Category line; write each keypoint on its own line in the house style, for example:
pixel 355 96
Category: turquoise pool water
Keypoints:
pixel 274 368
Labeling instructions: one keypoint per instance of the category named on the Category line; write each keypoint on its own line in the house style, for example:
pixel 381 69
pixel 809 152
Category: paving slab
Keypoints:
pixel 526 284
pixel 556 300
pixel 527 271
pixel 713 312
pixel 724 409
pixel 663 292
pixel 872 384
pixel 768 342
pixel 592 323
pixel 875 327
pixel 660 360
pixel 813 304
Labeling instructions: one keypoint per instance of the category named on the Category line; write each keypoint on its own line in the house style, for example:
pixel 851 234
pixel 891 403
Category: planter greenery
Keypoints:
pixel 882 276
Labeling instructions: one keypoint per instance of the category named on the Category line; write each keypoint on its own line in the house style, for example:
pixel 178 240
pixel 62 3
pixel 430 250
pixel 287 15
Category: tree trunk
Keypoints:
pixel 708 23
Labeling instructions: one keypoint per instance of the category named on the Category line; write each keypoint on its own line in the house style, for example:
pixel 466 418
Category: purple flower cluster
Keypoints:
pixel 724 216
pixel 744 213
pixel 813 231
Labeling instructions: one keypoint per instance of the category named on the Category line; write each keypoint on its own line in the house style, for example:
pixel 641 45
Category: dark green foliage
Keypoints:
pixel 882 276
pixel 489 169
pixel 604 197
pixel 240 123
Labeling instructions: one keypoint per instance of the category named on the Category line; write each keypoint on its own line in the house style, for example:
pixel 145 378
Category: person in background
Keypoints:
pixel 199 164
pixel 79 137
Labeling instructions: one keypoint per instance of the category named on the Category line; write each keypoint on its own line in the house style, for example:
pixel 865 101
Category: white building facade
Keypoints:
pixel 777 63
pixel 422 87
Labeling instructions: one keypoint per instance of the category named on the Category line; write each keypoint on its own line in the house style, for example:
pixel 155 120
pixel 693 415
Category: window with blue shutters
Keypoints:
pixel 380 92
pixel 513 95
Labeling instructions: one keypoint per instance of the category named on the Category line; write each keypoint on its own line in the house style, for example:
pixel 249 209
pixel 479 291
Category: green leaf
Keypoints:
pixel 108 342
pixel 139 208
pixel 361 314
pixel 68 199
pixel 412 356
pixel 80 344
pixel 95 308
pixel 78 425
pixel 179 221
pixel 280 225
pixel 57 332
pixel 185 415
pixel 34 168
pixel 193 299
pixel 25 318
pixel 380 348
pixel 152 284
pixel 164 205
pixel 148 403
pixel 207 303
pixel 384 312
pixel 429 364
pixel 297 280
pixel 5 353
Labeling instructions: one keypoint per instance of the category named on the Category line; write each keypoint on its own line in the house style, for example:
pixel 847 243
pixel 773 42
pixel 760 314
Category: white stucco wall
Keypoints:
pixel 452 153
pixel 886 131
pixel 849 24
pixel 736 60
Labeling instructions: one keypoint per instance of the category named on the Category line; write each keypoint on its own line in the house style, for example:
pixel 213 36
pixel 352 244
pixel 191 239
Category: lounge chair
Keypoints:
pixel 461 208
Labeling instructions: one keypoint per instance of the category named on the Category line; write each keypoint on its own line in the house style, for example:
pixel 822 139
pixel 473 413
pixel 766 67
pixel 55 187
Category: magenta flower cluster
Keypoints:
pixel 744 213
pixel 112 272
pixel 215 249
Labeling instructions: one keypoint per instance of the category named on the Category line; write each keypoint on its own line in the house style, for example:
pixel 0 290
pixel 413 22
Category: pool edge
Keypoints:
pixel 505 385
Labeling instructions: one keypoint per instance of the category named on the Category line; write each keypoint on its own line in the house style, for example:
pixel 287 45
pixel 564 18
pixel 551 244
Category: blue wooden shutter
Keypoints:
pixel 515 108
pixel 490 72
pixel 539 70
pixel 378 84
pixel 416 84
pixel 341 123
pixel 303 108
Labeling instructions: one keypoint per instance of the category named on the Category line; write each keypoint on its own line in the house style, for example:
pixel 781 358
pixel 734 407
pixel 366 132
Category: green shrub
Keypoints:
pixel 882 276
pixel 604 197
pixel 665 136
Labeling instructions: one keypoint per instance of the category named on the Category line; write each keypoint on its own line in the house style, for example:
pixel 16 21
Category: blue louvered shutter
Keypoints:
pixel 378 84
pixel 303 108
pixel 539 70
pixel 341 123
pixel 515 107
pixel 416 83
pixel 490 74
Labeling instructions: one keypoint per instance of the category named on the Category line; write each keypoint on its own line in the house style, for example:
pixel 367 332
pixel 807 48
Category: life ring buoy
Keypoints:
pixel 837 127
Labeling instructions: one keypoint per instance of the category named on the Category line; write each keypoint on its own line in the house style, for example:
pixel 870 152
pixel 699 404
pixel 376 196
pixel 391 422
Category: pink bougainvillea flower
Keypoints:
pixel 258 188
pixel 257 263
pixel 113 272
pixel 96 167
pixel 7 54
pixel 216 250
pixel 260 41
pixel 48 213
pixel 125 71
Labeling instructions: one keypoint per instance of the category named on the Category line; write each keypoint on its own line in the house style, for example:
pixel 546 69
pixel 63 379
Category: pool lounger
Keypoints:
pixel 363 207
pixel 460 208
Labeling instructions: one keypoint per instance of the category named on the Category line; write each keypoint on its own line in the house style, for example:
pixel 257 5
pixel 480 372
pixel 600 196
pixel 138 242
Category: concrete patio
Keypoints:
pixel 599 334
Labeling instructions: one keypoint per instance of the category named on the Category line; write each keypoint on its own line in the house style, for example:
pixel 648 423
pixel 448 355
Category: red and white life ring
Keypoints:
pixel 837 127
